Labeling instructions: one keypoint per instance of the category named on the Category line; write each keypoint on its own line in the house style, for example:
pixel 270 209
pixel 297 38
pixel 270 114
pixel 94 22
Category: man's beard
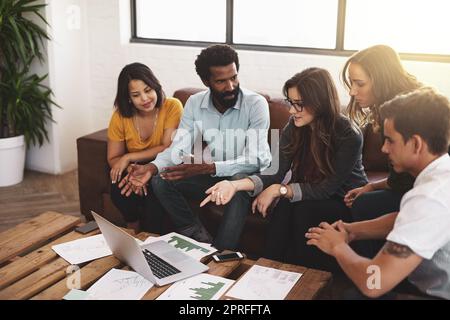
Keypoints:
pixel 220 97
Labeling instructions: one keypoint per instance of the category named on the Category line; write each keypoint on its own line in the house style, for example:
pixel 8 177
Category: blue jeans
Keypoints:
pixel 174 196
pixel 369 206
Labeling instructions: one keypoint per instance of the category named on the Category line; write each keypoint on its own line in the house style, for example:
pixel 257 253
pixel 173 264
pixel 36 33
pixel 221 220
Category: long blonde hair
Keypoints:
pixel 389 78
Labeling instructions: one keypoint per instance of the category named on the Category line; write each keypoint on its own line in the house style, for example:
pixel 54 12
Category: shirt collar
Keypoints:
pixel 431 166
pixel 207 102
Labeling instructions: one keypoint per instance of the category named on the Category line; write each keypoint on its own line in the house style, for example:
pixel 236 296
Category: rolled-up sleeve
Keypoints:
pixel 297 194
pixel 259 186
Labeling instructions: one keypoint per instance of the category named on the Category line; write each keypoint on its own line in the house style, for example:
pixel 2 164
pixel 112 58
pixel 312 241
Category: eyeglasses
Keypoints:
pixel 298 105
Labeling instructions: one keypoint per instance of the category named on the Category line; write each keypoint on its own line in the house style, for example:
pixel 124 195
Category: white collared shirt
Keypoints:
pixel 423 224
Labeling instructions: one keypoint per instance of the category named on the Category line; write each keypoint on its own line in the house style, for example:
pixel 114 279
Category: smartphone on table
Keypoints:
pixel 229 256
pixel 88 227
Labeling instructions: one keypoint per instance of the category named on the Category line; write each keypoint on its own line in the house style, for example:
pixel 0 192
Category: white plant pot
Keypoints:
pixel 12 160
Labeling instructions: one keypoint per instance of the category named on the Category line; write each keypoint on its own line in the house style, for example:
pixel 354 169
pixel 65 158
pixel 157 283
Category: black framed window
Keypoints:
pixel 184 21
pixel 417 28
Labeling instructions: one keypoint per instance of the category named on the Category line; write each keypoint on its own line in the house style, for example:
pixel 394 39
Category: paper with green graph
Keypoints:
pixel 195 249
pixel 200 287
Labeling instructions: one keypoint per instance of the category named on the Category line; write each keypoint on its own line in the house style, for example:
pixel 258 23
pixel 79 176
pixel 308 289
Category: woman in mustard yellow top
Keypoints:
pixel 140 128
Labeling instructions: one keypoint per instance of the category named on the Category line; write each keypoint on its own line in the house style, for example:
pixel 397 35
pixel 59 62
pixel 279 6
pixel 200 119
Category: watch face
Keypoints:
pixel 283 190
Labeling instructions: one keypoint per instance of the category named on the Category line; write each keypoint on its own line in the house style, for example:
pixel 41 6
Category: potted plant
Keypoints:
pixel 25 102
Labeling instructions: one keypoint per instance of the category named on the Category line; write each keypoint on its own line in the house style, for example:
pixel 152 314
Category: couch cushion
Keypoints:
pixel 375 176
pixel 184 94
pixel 279 113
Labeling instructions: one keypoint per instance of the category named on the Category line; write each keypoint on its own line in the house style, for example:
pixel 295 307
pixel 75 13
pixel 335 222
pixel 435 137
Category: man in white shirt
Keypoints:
pixel 417 134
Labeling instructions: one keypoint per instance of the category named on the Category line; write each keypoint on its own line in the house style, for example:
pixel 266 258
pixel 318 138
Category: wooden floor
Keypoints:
pixel 38 193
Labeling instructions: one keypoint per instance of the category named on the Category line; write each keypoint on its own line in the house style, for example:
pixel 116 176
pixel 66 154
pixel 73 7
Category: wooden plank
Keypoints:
pixel 222 269
pixel 27 226
pixel 310 285
pixel 88 275
pixel 241 269
pixel 23 266
pixel 33 233
pixel 36 282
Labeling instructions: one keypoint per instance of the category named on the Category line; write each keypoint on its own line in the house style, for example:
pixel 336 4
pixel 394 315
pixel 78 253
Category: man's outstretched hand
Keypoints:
pixel 136 180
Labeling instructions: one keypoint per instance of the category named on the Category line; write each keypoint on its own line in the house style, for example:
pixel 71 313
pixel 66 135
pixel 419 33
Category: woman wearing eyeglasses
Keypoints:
pixel 323 150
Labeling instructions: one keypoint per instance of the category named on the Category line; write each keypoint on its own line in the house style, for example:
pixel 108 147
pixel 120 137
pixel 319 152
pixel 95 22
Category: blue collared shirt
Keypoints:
pixel 236 139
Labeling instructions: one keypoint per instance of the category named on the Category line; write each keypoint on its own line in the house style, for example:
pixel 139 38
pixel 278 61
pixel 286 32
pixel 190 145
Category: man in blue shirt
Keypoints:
pixel 233 123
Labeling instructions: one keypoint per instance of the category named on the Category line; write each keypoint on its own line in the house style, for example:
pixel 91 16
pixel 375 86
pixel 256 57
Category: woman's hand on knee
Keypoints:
pixel 118 168
pixel 265 199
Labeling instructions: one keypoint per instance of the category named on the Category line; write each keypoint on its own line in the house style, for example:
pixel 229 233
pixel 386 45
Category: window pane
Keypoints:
pixel 292 23
pixel 193 20
pixel 409 26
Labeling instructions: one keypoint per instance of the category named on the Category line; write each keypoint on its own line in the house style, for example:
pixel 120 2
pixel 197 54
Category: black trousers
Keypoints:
pixel 288 224
pixel 146 210
pixel 372 205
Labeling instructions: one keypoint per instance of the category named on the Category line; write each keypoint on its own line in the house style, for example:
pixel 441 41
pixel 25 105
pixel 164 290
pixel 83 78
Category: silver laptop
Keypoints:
pixel 158 262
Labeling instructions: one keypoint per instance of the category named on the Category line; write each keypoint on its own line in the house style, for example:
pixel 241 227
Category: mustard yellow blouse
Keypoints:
pixel 123 129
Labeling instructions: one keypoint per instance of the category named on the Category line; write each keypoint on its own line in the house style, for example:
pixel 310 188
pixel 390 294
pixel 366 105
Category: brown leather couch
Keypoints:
pixel 94 182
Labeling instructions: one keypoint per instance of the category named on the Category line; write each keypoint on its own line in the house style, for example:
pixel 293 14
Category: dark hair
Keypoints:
pixel 383 66
pixel 423 112
pixel 215 55
pixel 135 71
pixel 320 97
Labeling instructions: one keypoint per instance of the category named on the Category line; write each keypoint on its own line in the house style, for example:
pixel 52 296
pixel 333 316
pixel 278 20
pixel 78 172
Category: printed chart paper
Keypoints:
pixel 263 283
pixel 195 249
pixel 200 287
pixel 120 285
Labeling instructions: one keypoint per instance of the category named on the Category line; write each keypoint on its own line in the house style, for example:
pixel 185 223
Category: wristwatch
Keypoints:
pixel 283 190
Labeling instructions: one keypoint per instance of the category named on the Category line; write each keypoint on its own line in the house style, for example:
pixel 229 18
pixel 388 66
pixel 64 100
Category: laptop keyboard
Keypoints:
pixel 160 268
